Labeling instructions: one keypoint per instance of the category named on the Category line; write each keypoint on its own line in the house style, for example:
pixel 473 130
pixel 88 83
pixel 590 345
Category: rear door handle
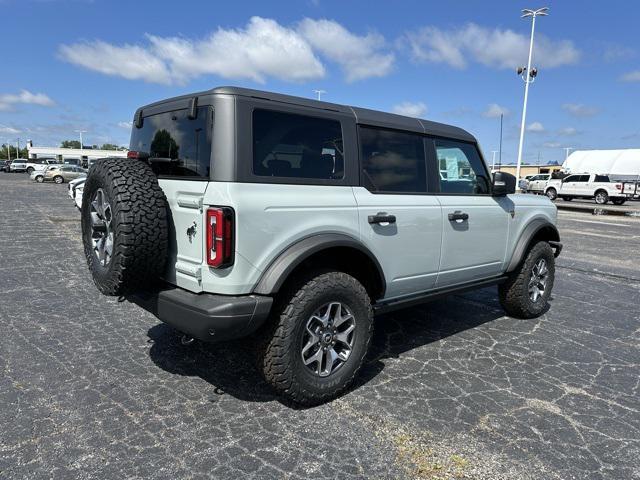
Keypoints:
pixel 458 215
pixel 382 217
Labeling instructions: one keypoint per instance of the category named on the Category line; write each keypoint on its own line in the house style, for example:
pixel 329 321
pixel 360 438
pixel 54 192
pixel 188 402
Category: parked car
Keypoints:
pixel 524 182
pixel 5 165
pixel 598 187
pixel 62 174
pixel 18 165
pixel 78 195
pixel 39 164
pixel 537 183
pixel 72 161
pixel 310 218
pixel 74 184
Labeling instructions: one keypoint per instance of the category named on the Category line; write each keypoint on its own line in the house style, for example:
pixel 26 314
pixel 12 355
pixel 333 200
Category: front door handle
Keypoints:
pixel 382 217
pixel 458 215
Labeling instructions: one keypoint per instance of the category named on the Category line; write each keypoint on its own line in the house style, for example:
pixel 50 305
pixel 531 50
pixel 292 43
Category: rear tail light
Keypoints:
pixel 220 248
pixel 618 186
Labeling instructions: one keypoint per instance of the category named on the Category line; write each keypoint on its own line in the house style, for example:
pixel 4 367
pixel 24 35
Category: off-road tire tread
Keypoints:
pixel 140 225
pixel 274 352
pixel 513 295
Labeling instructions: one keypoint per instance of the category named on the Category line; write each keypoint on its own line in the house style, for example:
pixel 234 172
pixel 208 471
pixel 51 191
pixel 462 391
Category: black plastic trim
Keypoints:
pixel 207 317
pixel 276 274
pixel 424 297
pixel 525 239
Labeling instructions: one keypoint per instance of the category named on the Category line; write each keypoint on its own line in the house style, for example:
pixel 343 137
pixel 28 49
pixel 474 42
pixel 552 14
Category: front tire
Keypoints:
pixel 552 193
pixel 39 179
pixel 317 338
pixel 58 179
pixel 526 292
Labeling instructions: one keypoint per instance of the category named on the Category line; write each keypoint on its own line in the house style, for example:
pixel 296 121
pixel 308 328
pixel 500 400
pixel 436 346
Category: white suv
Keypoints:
pixel 242 212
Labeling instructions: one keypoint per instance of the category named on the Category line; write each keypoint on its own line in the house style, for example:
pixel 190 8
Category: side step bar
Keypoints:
pixel 424 297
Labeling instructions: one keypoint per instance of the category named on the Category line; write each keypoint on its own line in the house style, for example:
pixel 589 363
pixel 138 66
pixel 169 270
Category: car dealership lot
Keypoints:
pixel 93 387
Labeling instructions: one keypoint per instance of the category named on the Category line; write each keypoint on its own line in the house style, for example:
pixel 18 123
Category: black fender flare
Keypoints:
pixel 528 233
pixel 279 270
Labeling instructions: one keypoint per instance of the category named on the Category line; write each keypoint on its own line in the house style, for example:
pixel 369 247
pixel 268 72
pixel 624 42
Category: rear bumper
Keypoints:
pixel 207 317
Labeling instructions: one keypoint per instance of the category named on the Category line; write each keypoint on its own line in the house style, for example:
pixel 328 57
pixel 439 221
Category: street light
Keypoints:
pixel 566 151
pixel 493 159
pixel 528 75
pixel 81 144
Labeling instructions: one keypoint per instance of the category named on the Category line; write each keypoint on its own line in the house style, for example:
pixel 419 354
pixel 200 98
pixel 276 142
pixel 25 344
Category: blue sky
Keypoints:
pixel 79 64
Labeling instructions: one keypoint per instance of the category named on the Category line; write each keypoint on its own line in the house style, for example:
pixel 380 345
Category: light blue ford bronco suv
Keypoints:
pixel 294 221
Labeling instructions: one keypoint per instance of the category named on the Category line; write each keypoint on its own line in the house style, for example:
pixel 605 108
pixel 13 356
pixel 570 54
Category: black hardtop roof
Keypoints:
pixel 362 115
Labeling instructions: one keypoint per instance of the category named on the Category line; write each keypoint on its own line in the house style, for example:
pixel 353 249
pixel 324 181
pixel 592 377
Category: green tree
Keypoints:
pixel 23 153
pixel 70 144
pixel 109 146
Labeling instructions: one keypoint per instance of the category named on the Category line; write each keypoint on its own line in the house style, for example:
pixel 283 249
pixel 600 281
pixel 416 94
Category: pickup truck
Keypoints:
pixel 584 185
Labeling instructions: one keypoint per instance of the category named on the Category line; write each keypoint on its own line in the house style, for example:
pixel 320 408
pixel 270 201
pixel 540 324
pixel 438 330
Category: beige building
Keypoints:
pixel 529 169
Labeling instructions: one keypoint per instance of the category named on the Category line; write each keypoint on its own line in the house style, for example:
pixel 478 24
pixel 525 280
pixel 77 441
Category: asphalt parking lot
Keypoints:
pixel 94 388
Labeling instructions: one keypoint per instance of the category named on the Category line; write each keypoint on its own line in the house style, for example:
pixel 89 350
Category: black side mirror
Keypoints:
pixel 503 184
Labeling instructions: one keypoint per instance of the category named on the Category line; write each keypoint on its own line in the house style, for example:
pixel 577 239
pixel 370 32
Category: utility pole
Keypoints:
pixel 319 93
pixel 8 150
pixel 81 144
pixel 528 75
pixel 18 151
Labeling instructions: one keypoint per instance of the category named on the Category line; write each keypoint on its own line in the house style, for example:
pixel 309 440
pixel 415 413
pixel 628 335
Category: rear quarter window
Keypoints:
pixel 297 146
pixel 177 146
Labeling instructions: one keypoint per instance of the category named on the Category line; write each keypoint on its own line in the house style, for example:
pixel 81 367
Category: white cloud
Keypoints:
pixel 8 129
pixel 410 109
pixel 262 49
pixel 535 127
pixel 129 61
pixel 126 125
pixel 9 100
pixel 631 76
pixel 491 47
pixel 579 109
pixel 568 132
pixel 552 145
pixel 359 56
pixel 494 111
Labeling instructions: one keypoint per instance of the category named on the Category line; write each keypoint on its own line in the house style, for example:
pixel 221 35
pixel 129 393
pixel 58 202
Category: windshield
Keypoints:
pixel 176 145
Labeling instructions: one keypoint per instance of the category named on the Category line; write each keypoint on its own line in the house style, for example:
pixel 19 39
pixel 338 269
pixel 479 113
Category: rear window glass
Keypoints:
pixel 602 178
pixel 290 145
pixel 177 146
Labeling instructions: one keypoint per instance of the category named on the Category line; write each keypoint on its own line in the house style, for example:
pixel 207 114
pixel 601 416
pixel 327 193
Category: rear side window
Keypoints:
pixel 461 168
pixel 582 178
pixel 602 178
pixel 176 145
pixel 392 161
pixel 299 146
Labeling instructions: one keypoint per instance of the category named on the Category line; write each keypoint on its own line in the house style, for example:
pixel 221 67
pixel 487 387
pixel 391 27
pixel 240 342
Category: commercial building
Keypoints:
pixel 82 154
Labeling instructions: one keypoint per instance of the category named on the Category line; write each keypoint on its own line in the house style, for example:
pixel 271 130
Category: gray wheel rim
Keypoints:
pixel 101 234
pixel 551 194
pixel 538 281
pixel 328 339
pixel 600 197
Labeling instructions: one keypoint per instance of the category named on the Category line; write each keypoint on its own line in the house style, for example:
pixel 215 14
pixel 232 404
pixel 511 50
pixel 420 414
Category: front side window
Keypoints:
pixel 297 146
pixel 392 161
pixel 176 145
pixel 461 168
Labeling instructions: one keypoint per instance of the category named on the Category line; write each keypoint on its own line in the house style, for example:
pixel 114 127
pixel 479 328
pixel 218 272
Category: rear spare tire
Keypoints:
pixel 124 226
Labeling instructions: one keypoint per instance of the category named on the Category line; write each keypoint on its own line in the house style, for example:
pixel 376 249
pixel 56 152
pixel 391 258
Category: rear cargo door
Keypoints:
pixel 178 148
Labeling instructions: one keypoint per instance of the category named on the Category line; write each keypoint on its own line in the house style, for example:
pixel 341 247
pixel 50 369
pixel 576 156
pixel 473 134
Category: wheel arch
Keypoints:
pixel 537 229
pixel 334 250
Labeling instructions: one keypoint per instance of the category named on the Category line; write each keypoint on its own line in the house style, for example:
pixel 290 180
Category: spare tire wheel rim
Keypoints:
pixel 328 339
pixel 538 280
pixel 101 232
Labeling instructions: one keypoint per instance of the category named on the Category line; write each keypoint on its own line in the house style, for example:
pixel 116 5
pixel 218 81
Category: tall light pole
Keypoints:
pixel 81 144
pixel 493 159
pixel 528 75
pixel 319 93
pixel 8 150
pixel 18 150
pixel 566 151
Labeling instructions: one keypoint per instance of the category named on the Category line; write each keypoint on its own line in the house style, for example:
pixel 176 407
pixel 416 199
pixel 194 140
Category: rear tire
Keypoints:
pixel 619 201
pixel 296 334
pixel 39 179
pixel 601 197
pixel 30 170
pixel 552 193
pixel 518 294
pixel 124 226
pixel 58 179
pixel 567 199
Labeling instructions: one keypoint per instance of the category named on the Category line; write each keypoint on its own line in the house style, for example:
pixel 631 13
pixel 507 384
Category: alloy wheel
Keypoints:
pixel 101 233
pixel 328 338
pixel 538 280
